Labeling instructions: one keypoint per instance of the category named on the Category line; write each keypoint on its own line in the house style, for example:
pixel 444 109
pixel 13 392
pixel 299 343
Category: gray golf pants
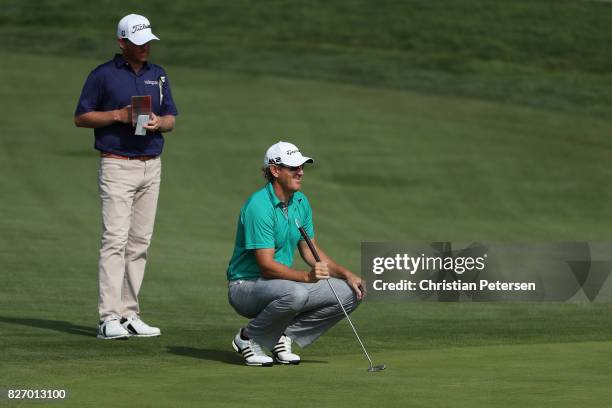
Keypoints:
pixel 302 311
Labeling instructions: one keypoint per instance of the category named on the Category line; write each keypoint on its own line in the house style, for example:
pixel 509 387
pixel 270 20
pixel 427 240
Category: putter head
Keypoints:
pixel 373 369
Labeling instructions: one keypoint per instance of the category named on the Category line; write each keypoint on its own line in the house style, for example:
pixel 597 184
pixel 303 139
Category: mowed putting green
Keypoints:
pixel 390 165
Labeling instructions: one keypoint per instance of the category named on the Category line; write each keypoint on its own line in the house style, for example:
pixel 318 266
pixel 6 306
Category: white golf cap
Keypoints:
pixel 135 28
pixel 285 153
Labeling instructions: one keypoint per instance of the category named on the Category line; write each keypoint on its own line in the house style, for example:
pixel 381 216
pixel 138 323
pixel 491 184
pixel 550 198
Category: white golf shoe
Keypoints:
pixel 111 329
pixel 282 352
pixel 137 328
pixel 252 352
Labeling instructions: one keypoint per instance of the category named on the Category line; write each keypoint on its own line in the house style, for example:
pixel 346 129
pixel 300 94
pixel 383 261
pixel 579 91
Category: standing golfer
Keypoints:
pixel 285 305
pixel 129 173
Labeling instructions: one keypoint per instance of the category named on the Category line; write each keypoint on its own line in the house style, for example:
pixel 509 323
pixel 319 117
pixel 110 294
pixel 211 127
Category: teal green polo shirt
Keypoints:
pixel 263 223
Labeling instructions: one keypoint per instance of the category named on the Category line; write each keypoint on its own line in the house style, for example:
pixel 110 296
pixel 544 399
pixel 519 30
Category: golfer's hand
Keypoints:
pixel 358 285
pixel 154 123
pixel 318 272
pixel 123 115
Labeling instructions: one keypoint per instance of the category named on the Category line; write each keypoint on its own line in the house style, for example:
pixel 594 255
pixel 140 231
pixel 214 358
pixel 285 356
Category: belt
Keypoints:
pixel 235 282
pixel 117 156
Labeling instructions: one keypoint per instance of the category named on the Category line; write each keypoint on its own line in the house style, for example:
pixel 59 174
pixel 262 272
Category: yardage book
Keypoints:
pixel 141 110
pixel 141 105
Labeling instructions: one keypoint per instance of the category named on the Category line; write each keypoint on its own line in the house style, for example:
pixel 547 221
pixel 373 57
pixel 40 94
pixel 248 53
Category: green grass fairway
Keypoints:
pixel 390 165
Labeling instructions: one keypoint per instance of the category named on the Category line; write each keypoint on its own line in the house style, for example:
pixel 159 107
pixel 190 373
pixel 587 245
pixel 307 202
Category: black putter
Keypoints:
pixel 372 367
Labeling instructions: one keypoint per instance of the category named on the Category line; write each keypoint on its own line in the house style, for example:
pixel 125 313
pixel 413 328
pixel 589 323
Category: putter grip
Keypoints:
pixel 310 244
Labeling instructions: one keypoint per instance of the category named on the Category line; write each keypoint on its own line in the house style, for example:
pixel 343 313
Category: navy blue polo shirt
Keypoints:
pixel 111 86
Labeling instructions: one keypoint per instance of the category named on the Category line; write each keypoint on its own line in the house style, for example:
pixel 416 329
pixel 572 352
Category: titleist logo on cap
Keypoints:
pixel 139 27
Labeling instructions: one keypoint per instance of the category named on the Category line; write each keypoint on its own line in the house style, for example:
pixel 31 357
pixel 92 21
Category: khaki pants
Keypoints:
pixel 128 191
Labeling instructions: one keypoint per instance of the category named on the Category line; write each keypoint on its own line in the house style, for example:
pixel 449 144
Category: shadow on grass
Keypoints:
pixel 57 325
pixel 227 357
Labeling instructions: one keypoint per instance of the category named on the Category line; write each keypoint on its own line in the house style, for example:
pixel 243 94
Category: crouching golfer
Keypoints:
pixel 285 305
